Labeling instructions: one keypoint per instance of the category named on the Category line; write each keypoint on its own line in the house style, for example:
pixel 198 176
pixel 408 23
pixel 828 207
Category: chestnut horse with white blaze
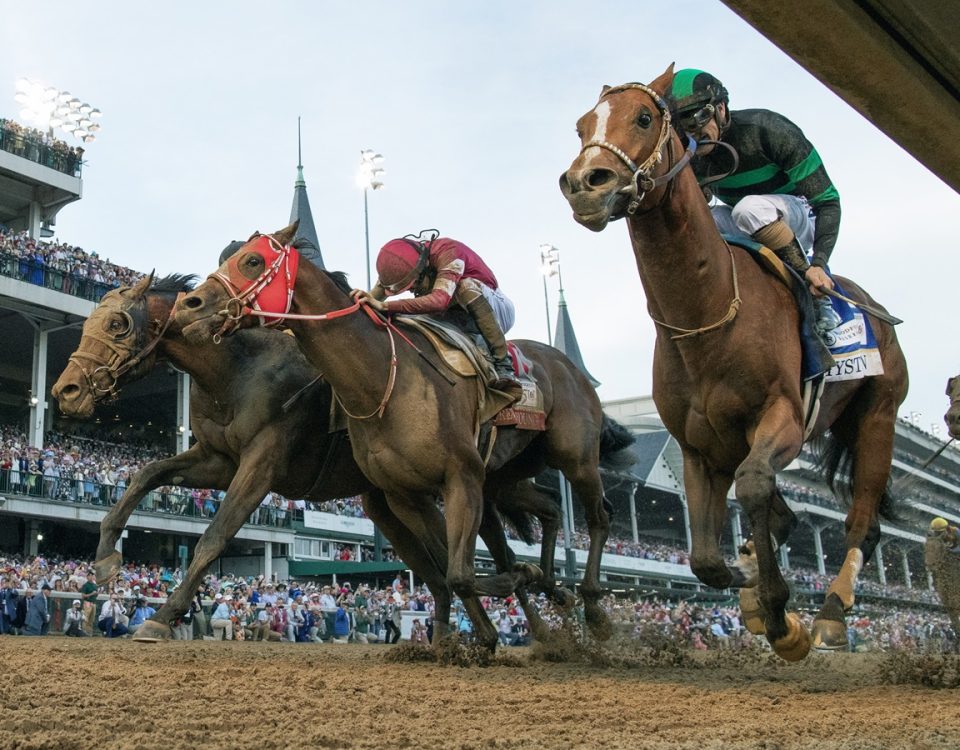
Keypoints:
pixel 726 368
pixel 413 432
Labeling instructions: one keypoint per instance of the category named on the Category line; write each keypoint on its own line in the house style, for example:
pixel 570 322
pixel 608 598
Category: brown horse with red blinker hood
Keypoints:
pixel 727 365
pixel 414 434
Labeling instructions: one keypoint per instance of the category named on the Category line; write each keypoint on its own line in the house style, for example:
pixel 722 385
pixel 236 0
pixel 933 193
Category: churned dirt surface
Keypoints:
pixel 66 693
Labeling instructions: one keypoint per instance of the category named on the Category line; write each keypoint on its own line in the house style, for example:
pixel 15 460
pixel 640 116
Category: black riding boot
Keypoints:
pixel 489 328
pixel 816 356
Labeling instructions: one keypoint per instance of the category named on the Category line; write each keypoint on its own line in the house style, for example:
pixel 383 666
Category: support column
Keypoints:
pixel 686 520
pixel 38 387
pixel 30 541
pixel 929 581
pixel 784 557
pixel 736 527
pixel 411 580
pixel 908 582
pixel 570 560
pixel 268 561
pixel 878 558
pixel 818 546
pixel 34 220
pixel 183 412
pixel 633 513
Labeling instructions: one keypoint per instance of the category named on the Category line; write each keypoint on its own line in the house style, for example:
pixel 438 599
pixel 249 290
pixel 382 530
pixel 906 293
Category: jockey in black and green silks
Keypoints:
pixel 779 193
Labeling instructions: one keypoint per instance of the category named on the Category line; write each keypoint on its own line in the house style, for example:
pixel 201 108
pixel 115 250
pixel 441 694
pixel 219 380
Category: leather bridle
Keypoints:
pixel 104 378
pixel 641 181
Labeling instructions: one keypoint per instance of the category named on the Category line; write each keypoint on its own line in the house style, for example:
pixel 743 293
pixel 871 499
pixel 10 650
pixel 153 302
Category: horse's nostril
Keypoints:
pixel 599 177
pixel 70 391
pixel 193 303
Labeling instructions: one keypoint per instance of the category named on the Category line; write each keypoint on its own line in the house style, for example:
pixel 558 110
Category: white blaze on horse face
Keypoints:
pixel 602 111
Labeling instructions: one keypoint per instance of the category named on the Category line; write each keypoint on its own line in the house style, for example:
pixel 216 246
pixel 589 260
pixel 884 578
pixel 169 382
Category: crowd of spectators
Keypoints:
pixel 40 147
pixel 61 267
pixel 811 580
pixel 237 608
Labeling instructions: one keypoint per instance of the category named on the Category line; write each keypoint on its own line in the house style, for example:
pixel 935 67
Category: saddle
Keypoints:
pixel 464 356
pixel 852 344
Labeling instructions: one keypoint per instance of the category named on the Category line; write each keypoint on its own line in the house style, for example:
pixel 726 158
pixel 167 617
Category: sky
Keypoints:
pixel 473 106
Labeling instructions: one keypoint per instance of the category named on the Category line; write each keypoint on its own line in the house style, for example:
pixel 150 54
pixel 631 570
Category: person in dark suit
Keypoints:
pixel 38 613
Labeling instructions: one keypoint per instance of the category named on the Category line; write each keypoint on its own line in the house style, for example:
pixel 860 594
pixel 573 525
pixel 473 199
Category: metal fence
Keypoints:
pixel 175 501
pixel 39 273
pixel 56 155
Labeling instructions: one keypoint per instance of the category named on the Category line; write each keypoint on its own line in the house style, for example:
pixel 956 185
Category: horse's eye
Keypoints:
pixel 115 325
pixel 253 260
pixel 644 120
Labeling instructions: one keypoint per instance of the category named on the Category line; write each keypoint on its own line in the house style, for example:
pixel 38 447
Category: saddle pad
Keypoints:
pixel 527 413
pixel 852 343
pixel 464 358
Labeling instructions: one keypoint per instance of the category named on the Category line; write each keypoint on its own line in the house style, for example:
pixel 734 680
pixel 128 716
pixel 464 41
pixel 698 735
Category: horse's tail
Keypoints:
pixel 615 439
pixel 836 464
pixel 521 521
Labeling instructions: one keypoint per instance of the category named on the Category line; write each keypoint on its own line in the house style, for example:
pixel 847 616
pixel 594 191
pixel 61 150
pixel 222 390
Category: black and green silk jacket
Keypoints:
pixel 775 157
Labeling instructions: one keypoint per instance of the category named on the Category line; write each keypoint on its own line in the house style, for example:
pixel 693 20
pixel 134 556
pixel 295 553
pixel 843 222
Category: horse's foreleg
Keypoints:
pixel 195 467
pixel 412 551
pixel 463 508
pixel 872 455
pixel 706 491
pixel 776 441
pixel 251 483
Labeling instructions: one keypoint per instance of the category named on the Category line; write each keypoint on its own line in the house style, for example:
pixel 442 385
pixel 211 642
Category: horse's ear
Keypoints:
pixel 604 90
pixel 661 84
pixel 141 287
pixel 285 236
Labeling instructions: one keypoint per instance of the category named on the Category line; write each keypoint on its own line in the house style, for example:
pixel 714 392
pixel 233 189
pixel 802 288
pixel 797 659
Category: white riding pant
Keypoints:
pixel 757 211
pixel 503 309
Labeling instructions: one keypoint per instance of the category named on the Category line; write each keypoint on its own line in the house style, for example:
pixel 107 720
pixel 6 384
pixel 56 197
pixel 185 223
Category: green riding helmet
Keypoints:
pixel 694 96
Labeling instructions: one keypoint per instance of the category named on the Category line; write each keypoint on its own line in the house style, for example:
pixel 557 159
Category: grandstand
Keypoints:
pixel 44 301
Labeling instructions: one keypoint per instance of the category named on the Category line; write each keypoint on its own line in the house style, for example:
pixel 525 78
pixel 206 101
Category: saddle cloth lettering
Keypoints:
pixel 458 352
pixel 852 343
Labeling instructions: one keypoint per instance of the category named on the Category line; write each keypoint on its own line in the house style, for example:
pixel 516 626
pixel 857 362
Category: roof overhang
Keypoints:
pixel 896 63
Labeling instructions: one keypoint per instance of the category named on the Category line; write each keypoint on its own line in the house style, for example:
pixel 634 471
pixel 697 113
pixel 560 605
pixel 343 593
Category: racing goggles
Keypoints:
pixel 693 120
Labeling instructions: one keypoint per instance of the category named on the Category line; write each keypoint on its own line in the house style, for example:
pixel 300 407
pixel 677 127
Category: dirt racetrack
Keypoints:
pixel 69 693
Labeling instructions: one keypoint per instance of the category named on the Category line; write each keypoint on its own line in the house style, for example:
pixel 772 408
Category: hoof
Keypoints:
pixel 598 622
pixel 795 645
pixel 530 572
pixel 752 611
pixel 830 635
pixel 151 630
pixel 564 598
pixel 107 568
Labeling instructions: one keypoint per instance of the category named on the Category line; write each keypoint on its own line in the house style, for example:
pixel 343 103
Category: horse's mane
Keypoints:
pixel 175 282
pixel 340 279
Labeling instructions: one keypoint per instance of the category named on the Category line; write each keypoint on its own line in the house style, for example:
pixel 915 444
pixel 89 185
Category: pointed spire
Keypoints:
pixel 301 211
pixel 566 340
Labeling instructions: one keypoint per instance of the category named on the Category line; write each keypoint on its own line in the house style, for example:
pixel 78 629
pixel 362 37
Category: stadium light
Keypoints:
pixel 46 108
pixel 369 177
pixel 549 266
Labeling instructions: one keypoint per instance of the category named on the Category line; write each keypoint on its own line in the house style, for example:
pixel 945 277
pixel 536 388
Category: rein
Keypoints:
pixel 240 304
pixel 682 333
pixel 641 182
pixel 110 368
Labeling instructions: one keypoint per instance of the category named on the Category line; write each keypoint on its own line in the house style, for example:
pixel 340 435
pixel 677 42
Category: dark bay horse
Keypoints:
pixel 242 428
pixel 414 434
pixel 726 370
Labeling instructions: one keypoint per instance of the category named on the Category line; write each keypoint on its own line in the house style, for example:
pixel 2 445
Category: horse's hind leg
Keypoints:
pixel 585 480
pixel 872 447
pixel 776 441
